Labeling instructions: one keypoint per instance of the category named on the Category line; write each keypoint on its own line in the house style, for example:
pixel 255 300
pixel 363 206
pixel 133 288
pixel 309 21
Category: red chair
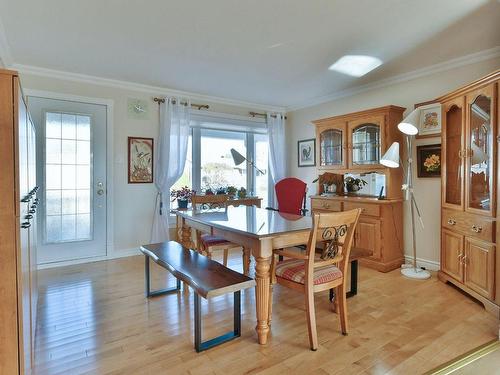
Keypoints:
pixel 291 194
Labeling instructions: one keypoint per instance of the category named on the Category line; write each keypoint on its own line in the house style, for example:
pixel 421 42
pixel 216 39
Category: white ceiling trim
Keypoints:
pixel 5 54
pixel 156 90
pixel 431 69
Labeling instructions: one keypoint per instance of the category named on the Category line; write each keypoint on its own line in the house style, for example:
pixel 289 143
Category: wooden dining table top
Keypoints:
pixel 250 220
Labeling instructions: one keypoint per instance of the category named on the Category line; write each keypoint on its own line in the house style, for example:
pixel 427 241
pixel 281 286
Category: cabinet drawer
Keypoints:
pixel 326 204
pixel 366 208
pixel 471 225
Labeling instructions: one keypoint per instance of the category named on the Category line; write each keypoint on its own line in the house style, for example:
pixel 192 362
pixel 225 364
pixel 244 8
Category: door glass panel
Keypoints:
pixel 366 144
pixel 480 151
pixel 453 156
pixel 68 180
pixel 331 147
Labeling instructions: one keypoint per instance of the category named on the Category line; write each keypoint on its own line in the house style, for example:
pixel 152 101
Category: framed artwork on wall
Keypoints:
pixel 429 161
pixel 140 160
pixel 306 152
pixel 430 120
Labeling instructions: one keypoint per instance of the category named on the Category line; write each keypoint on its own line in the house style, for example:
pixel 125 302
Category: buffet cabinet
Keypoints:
pixel 18 205
pixel 469 183
pixel 379 229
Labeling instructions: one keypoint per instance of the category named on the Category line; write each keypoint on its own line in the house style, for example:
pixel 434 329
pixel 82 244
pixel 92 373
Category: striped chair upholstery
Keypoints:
pixel 294 270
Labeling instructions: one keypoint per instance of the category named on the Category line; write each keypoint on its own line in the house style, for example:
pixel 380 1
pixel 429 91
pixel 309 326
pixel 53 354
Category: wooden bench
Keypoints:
pixel 206 277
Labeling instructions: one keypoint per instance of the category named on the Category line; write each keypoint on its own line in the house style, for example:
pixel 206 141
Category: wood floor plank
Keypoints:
pixel 94 319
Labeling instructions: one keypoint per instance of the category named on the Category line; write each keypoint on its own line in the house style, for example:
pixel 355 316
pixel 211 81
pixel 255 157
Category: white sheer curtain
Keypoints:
pixel 170 161
pixel 277 163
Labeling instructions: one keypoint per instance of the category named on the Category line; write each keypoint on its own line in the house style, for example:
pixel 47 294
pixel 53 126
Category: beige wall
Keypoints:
pixel 132 203
pixel 404 94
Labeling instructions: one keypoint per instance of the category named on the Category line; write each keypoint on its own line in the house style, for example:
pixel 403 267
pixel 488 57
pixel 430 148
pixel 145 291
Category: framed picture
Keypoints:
pixel 430 120
pixel 306 152
pixel 429 161
pixel 140 160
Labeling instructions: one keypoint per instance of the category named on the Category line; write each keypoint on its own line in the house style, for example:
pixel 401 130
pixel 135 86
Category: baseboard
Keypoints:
pixel 115 254
pixel 427 264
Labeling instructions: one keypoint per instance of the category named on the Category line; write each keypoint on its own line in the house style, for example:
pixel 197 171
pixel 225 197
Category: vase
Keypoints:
pixel 182 203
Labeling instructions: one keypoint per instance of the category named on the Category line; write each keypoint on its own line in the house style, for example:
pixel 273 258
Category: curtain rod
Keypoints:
pixel 199 106
pixel 254 114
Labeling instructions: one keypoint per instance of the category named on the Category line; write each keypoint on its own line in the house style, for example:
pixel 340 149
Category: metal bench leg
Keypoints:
pixel 354 282
pixel 354 279
pixel 204 345
pixel 156 293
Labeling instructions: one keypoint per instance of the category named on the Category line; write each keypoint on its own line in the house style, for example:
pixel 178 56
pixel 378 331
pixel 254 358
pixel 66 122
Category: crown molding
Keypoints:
pixel 418 73
pixel 5 54
pixel 133 86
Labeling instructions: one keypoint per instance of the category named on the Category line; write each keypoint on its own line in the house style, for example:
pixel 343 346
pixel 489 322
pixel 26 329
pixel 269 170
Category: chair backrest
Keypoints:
pixel 207 202
pixel 336 231
pixel 291 193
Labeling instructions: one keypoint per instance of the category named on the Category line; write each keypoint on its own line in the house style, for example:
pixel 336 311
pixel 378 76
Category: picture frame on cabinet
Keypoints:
pixel 429 124
pixel 306 152
pixel 429 161
pixel 140 160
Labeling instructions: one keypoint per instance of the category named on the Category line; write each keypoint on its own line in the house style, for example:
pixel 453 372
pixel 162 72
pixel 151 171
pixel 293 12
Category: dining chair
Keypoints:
pixel 309 274
pixel 208 242
pixel 291 196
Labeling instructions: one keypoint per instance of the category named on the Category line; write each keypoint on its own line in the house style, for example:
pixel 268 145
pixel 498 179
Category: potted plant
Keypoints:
pixel 183 196
pixel 231 191
pixel 209 191
pixel 354 184
pixel 242 193
pixel 221 191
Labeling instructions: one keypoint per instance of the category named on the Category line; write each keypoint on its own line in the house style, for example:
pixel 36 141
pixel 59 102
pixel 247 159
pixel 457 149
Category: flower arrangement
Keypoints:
pixel 354 184
pixel 231 191
pixel 432 163
pixel 182 194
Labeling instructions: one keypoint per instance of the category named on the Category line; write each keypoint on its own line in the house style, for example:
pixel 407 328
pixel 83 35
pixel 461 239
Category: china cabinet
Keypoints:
pixel 18 206
pixel 470 124
pixel 354 143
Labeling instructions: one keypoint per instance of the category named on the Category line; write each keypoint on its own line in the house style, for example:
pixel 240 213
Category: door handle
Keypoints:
pixel 451 221
pixel 100 191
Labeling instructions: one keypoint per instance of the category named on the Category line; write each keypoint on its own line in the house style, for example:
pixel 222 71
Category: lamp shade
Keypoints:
pixel 391 156
pixel 237 157
pixel 409 125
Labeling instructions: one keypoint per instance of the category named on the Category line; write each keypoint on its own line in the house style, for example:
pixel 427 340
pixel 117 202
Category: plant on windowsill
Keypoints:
pixel 183 196
pixel 231 191
pixel 242 193
pixel 221 191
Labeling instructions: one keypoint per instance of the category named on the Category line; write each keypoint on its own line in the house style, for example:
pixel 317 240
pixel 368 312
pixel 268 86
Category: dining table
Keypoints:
pixel 258 231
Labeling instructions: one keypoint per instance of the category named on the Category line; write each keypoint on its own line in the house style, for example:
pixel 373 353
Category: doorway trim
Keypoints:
pixel 109 103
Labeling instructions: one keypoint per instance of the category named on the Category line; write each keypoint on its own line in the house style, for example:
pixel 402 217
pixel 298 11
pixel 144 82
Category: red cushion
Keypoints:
pixel 294 270
pixel 290 193
pixel 209 240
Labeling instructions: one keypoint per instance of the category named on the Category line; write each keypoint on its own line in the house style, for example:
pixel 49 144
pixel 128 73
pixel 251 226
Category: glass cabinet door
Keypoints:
pixel 365 144
pixel 332 148
pixel 479 143
pixel 453 151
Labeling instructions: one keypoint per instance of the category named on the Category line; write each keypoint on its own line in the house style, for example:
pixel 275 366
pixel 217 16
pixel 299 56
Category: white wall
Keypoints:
pixel 132 203
pixel 405 94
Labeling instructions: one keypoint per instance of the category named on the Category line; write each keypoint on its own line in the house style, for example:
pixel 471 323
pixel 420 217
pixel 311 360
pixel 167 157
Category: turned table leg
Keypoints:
pixel 246 260
pixel 262 279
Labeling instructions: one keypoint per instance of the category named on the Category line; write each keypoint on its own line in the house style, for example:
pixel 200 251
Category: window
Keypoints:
pixel 209 162
pixel 68 165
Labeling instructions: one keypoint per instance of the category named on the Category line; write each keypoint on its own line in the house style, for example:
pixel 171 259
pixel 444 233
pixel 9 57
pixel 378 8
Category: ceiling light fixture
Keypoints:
pixel 355 65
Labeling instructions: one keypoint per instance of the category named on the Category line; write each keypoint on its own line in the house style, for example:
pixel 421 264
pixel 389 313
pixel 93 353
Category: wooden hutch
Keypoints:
pixel 470 125
pixel 354 143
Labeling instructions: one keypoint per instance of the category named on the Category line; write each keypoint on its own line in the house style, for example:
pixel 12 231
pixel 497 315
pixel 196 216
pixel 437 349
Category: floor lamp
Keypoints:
pixel 392 159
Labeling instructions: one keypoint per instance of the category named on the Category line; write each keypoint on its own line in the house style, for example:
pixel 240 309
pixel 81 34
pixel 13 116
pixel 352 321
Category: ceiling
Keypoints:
pixel 274 52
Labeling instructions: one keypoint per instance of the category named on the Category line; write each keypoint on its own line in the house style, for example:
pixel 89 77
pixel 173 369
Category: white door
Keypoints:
pixel 71 173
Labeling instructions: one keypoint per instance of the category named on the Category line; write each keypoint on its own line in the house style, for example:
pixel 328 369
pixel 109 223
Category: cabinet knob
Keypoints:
pixel 451 221
pixel 476 229
pixel 326 205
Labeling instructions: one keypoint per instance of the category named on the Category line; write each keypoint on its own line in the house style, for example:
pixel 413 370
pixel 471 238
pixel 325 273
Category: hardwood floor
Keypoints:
pixel 94 319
